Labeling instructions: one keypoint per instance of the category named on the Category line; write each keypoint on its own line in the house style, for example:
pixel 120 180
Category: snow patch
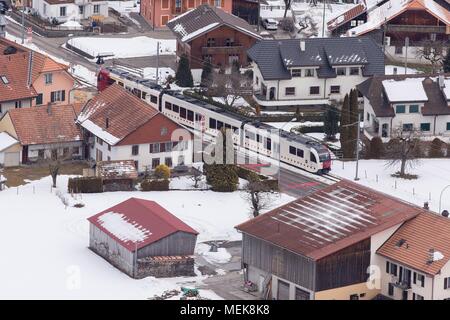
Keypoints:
pixel 117 224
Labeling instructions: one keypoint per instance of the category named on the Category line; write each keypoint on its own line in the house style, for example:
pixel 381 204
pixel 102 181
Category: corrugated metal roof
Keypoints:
pixel 329 220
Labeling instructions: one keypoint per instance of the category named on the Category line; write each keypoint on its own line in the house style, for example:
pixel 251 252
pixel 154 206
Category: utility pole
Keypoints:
pixel 357 149
pixel 157 62
pixel 323 19
pixel 23 24
pixel 406 54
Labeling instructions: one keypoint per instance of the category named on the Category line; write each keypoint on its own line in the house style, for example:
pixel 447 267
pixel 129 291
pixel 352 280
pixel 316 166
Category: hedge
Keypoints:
pixel 155 185
pixel 245 173
pixel 85 185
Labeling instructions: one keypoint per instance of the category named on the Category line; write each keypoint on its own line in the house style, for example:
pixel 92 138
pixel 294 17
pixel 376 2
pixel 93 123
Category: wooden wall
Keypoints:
pixel 176 244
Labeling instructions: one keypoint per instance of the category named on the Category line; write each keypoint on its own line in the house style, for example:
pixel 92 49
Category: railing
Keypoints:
pixel 415 29
pixel 222 49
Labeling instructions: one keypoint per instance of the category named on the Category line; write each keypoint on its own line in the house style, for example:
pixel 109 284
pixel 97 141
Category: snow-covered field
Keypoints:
pixel 124 47
pixel 47 245
pixel 434 175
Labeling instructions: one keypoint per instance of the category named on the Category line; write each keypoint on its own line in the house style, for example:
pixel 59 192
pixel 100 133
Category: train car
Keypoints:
pixel 294 149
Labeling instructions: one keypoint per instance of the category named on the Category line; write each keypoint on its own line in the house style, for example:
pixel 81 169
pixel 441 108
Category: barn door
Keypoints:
pixel 283 290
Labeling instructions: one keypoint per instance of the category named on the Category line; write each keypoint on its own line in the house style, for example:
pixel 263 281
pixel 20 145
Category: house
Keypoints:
pixel 117 125
pixel 43 133
pixel 414 261
pixel 67 10
pixel 419 101
pixel 247 9
pixel 9 150
pixel 209 33
pixel 120 175
pixel 301 73
pixel 158 12
pixel 143 239
pixel 322 245
pixel 418 20
pixel 353 17
pixel 29 78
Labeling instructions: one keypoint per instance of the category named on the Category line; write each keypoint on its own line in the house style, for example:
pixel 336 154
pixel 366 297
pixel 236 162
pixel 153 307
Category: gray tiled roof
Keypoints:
pixel 274 57
pixel 190 24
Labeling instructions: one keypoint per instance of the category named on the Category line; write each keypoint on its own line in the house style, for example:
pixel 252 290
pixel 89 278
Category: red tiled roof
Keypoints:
pixel 428 231
pixel 329 220
pixel 151 221
pixel 36 125
pixel 346 16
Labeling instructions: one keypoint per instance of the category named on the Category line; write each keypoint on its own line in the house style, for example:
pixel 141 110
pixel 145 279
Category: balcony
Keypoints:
pixel 237 49
pixel 403 285
pixel 416 29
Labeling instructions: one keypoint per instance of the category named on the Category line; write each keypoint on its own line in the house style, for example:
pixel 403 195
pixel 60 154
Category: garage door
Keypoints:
pixel 12 159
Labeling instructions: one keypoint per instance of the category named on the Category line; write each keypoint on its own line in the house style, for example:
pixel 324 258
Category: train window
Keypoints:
pixel 312 157
pixel 190 115
pixel 153 99
pixel 175 108
pixel 250 135
pixel 144 95
pixel 300 153
pixel 269 144
pixel 182 112
pixel 258 138
pixel 324 157
pixel 219 125
pixel 236 130
pixel 168 106
pixel 292 150
pixel 120 83
pixel 227 126
pixel 198 117
pixel 212 123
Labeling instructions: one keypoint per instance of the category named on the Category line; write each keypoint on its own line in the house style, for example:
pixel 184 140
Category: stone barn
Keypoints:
pixel 143 239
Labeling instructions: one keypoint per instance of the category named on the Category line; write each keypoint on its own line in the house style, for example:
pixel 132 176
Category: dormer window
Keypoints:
pixel 296 72
pixel 354 71
pixel 341 71
pixel 309 72
pixel 4 79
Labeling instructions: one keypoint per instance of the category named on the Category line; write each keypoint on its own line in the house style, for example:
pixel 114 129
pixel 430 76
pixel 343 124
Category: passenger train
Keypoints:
pixel 297 150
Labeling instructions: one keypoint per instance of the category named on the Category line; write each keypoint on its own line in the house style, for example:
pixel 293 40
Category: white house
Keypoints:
pixel 65 10
pixel 408 101
pixel 293 73
pixel 119 126
pixel 414 262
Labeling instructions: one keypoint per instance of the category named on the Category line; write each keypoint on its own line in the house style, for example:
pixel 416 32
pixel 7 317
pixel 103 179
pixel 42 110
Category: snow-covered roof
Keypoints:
pixel 445 89
pixel 121 227
pixel 406 90
pixel 99 132
pixel 6 141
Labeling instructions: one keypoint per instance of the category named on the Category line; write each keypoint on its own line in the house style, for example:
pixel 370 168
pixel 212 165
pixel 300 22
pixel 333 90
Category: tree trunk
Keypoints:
pixel 403 167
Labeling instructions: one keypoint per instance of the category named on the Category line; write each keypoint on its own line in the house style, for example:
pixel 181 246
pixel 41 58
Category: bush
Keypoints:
pixel 155 185
pixel 85 185
pixel 221 177
pixel 162 172
pixel 376 148
pixel 287 24
pixel 436 148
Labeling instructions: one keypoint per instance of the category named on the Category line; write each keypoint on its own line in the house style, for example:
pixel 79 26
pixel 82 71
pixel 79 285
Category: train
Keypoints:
pixel 293 149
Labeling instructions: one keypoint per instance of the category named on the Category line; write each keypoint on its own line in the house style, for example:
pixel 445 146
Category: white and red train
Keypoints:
pixel 297 150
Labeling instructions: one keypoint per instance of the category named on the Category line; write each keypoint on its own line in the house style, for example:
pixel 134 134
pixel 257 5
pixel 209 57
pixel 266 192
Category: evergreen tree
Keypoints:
pixel 446 62
pixel 330 121
pixel 345 121
pixel 207 76
pixel 184 75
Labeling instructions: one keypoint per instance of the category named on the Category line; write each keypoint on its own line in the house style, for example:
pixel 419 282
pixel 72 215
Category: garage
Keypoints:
pixel 9 150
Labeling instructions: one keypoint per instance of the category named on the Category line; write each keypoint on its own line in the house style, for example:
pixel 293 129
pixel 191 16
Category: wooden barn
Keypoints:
pixel 143 239
pixel 321 246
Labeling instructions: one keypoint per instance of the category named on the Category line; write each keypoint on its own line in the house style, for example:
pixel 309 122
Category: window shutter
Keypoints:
pixel 63 95
pixel 52 97
pixel 445 283
pixel 387 267
pixel 414 277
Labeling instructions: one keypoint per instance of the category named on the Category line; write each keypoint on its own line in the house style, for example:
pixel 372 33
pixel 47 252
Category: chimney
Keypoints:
pixel 302 45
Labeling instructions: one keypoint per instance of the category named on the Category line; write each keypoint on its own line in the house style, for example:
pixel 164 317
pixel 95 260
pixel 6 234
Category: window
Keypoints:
pixel 154 148
pixel 48 78
pixel 390 289
pixel 368 116
pixel 393 269
pixel 41 153
pixel 190 115
pixel 312 157
pixel 135 150
pixel 290 91
pixel 309 72
pixel 301 294
pixel 314 90
pixel 153 99
pixel 398 50
pixel 354 297
pixel 387 267
pixel 182 112
pixel 212 123
pixel 164 19
pixel 447 283
pixel 162 147
pixel 168 161
pixel 99 141
pixel 96 8
pixel 75 150
pixel 400 108
pixel 175 108
pixel 292 150
pixel 65 152
pixel 155 163
pixel 448 126
pixel 4 79
pixel 177 4
pixel 62 11
pixel 335 89
pixel 168 106
pixel 425 127
pixel 80 9
pixel 18 104
pixel 39 99
pixel 354 71
pixel 414 108
pixel 353 23
pixel 218 3
pixel 408 127
pixel 341 71
pixel 109 147
pixel 296 72
pixel 210 42
pixel 300 153
pixel 229 42
pixel 421 280
pixel 168 146
pixel 165 4
pixel 58 96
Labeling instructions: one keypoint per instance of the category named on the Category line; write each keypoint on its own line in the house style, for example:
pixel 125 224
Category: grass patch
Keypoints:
pixel 17 175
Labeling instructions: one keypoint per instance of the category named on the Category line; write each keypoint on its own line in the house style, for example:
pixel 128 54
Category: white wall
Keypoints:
pixel 5 106
pixel 72 10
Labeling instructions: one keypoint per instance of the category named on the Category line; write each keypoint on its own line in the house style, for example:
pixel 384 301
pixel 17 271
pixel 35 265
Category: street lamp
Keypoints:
pixel 279 147
pixel 440 197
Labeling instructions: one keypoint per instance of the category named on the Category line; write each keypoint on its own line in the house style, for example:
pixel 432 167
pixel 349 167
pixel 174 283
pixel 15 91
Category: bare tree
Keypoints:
pixel 401 150
pixel 433 52
pixel 258 194
pixel 196 177
pixel 231 87
pixel 287 6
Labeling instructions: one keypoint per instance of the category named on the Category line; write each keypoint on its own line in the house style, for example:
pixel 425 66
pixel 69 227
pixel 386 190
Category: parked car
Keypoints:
pixel 270 24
